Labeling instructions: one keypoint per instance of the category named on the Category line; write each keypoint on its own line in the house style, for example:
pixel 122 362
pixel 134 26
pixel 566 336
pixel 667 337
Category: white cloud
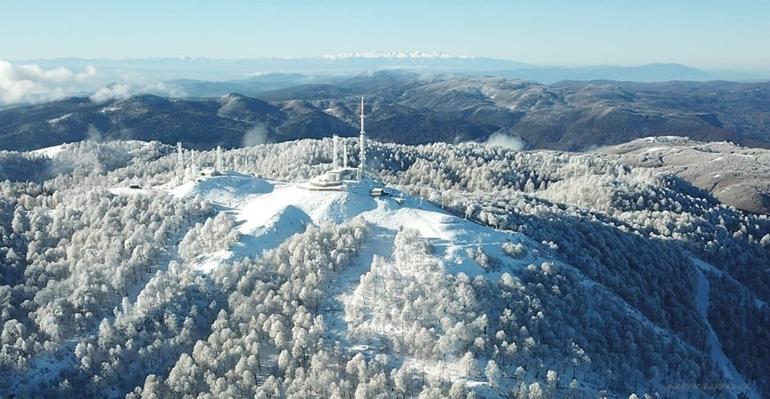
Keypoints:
pixel 88 73
pixel 31 83
pixel 160 88
pixel 131 86
pixel 118 91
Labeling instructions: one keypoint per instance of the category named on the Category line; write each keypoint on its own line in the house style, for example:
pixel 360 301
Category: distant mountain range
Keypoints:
pixel 354 63
pixel 407 108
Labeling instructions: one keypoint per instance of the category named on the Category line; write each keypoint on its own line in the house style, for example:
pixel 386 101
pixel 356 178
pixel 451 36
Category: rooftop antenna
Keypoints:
pixel 362 145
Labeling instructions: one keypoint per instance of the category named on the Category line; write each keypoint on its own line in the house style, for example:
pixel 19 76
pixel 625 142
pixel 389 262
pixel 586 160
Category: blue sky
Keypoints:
pixel 705 34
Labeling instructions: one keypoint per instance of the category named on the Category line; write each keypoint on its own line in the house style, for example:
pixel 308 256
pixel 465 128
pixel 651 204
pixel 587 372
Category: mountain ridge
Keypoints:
pixel 358 62
pixel 412 108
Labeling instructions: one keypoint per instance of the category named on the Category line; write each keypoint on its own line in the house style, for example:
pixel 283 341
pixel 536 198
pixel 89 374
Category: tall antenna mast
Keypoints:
pixel 362 144
pixel 344 155
pixel 335 159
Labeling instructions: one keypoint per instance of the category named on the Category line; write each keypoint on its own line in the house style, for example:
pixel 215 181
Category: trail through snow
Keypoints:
pixel 736 382
pixel 379 242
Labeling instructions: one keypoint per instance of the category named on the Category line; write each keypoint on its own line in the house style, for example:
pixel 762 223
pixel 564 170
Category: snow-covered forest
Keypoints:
pixel 500 273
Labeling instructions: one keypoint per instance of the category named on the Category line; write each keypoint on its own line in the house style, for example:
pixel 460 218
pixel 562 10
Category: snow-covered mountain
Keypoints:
pixel 484 271
pixel 217 69
pixel 736 175
pixel 394 54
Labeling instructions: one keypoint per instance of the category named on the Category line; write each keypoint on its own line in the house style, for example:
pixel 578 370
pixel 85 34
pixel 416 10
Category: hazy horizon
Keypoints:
pixel 383 54
pixel 708 35
pixel 60 49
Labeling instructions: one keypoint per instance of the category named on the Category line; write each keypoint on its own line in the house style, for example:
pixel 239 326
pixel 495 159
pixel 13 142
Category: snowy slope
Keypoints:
pixel 545 275
pixel 50 152
pixel 736 380
pixel 269 212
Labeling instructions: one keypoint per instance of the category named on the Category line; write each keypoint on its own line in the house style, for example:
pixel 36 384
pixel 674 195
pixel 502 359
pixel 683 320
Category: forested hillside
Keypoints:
pixel 407 108
pixel 498 273
pixel 736 175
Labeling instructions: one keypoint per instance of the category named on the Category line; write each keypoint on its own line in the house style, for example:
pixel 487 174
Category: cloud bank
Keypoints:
pixel 31 83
